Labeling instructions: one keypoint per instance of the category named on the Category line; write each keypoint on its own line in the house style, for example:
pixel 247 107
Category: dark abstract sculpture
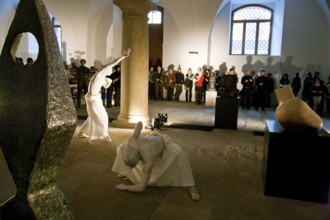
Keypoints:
pixel 37 119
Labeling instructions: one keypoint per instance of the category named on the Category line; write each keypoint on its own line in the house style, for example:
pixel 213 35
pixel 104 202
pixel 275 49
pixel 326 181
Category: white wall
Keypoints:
pixel 305 46
pixel 86 25
pixel 86 28
pixel 6 16
pixel 187 25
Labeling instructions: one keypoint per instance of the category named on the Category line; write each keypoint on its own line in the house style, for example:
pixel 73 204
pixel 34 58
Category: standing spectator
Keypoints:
pixel 254 90
pixel 159 80
pixel 179 79
pixel 110 92
pixel 115 76
pixel 83 78
pixel 29 62
pixel 247 83
pixel 188 84
pixel 306 92
pixel 296 84
pixel 217 80
pixel 316 76
pixel 284 80
pixel 269 89
pixel 261 83
pixel 170 83
pixel 199 87
pixel 206 74
pixel 151 88
pixel 318 92
pixel 19 60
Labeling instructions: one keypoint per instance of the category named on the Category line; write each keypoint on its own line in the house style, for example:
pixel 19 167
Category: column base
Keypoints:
pixel 130 121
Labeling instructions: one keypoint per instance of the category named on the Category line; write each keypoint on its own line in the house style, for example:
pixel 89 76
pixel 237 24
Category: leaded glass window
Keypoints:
pixel 155 17
pixel 251 30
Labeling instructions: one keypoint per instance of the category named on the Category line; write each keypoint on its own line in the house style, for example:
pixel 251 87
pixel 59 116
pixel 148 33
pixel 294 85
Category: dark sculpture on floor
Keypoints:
pixel 37 119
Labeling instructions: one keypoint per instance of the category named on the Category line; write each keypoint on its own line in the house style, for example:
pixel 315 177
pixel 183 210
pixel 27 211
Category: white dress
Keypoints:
pixel 172 168
pixel 96 125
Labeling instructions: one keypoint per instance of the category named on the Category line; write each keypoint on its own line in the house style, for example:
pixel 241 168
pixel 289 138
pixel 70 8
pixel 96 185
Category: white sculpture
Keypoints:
pixel 153 160
pixel 96 125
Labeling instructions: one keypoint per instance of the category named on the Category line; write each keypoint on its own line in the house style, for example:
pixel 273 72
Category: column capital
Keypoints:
pixel 135 7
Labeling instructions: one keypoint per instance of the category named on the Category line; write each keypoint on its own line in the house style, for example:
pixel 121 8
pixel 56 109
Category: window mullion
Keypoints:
pixel 256 39
pixel 243 37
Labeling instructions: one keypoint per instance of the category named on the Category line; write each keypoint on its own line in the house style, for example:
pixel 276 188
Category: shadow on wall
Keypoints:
pixel 277 69
pixel 76 57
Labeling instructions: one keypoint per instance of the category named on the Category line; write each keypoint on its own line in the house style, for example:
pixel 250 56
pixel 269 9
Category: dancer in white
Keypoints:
pixel 96 125
pixel 153 160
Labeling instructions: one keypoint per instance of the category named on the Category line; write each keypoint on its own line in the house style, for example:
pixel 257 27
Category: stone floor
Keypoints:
pixel 226 165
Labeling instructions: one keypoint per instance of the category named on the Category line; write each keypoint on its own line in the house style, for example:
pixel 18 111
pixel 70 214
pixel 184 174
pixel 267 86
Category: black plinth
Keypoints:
pixel 296 164
pixel 226 113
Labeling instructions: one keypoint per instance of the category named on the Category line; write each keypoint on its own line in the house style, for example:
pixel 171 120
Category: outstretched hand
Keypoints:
pixel 127 52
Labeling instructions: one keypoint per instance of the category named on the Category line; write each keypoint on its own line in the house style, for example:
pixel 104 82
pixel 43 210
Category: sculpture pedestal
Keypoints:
pixel 226 113
pixel 296 164
pixel 210 98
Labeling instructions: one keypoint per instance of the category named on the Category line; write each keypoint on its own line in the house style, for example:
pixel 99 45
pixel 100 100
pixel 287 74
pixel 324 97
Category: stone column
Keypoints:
pixel 134 70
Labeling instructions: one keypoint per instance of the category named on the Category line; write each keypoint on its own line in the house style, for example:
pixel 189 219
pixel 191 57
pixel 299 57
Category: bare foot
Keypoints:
pixel 121 187
pixel 107 139
pixel 194 193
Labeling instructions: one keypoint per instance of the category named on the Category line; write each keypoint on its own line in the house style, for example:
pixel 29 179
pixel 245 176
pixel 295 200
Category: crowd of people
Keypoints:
pixel 20 61
pixel 257 88
pixel 176 85
pixel 169 85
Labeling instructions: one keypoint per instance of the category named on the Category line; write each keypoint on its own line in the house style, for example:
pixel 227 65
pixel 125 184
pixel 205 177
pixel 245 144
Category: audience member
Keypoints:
pixel 261 84
pixel 306 92
pixel 247 83
pixel 83 80
pixel 179 79
pixel 269 89
pixel 284 80
pixel 296 84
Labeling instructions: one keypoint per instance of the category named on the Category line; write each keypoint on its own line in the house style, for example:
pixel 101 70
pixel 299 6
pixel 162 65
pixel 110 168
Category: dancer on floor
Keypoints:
pixel 153 160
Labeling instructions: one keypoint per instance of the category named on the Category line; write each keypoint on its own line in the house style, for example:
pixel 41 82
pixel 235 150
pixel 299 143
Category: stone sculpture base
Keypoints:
pixel 41 205
pixel 296 164
pixel 226 113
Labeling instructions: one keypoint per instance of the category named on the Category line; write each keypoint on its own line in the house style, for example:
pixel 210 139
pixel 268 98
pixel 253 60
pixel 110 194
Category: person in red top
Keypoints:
pixel 199 89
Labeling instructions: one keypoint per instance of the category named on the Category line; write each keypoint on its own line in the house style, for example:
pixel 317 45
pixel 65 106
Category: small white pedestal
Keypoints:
pixel 211 98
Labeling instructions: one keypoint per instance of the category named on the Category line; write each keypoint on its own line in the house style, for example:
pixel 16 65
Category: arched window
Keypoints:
pixel 155 17
pixel 251 30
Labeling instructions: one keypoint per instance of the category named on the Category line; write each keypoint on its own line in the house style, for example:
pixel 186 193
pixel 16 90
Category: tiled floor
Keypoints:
pixel 227 166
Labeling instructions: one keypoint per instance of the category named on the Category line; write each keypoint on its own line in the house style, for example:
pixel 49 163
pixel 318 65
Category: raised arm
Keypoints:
pixel 125 55
pixel 107 70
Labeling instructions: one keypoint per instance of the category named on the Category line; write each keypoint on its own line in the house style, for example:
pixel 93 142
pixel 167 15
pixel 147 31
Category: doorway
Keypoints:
pixel 155 27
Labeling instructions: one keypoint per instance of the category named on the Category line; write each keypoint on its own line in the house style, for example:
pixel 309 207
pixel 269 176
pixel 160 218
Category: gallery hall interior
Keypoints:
pixel 165 109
